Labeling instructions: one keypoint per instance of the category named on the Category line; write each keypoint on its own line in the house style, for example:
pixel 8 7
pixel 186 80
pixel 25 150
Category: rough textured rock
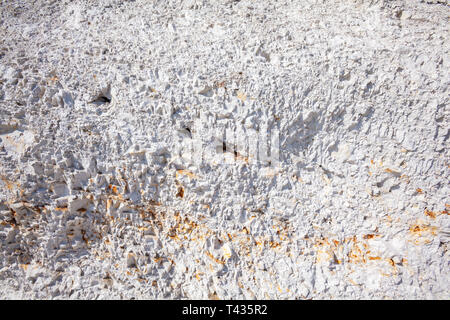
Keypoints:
pixel 129 167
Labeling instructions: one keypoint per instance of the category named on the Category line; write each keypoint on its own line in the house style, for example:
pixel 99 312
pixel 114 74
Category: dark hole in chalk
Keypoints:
pixel 188 131
pixel 103 97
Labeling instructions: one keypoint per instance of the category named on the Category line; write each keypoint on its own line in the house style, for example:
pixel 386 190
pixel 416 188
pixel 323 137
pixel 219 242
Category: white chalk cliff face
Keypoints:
pixel 224 149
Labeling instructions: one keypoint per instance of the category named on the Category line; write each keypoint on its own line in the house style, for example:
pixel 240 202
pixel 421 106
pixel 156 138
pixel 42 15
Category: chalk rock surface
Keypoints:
pixel 224 149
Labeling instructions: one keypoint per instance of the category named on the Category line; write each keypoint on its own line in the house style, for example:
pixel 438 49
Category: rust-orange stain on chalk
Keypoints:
pixel 422 232
pixel 374 258
pixel 209 254
pixel 434 214
pixel 188 173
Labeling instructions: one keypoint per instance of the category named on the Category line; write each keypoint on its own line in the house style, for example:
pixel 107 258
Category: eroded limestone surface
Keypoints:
pixel 132 163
